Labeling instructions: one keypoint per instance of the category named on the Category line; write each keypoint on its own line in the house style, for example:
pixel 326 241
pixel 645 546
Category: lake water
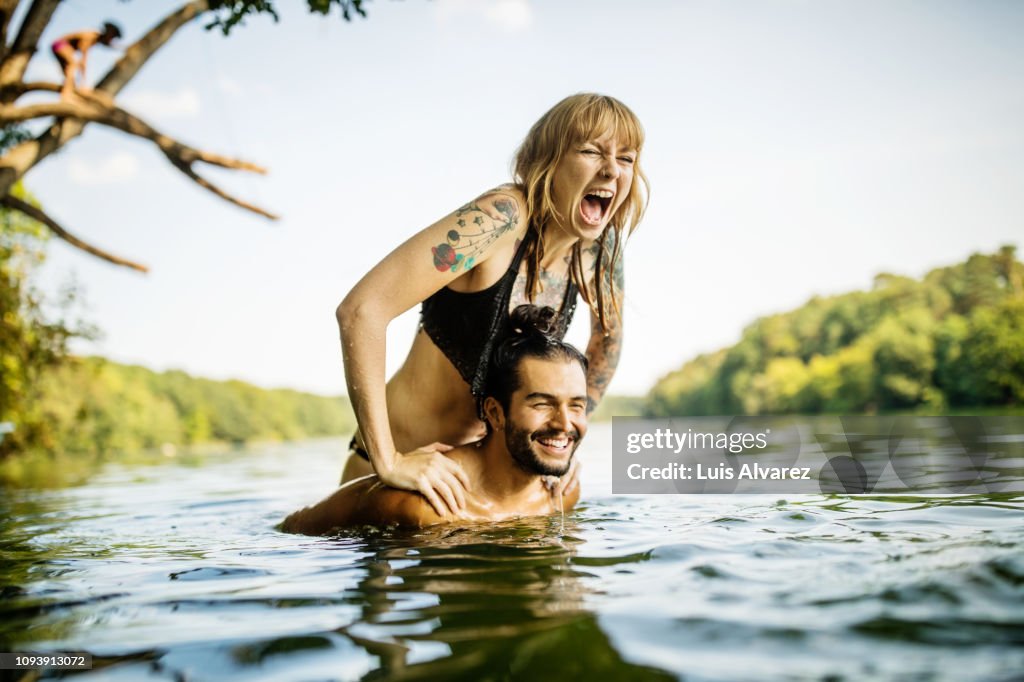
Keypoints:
pixel 175 572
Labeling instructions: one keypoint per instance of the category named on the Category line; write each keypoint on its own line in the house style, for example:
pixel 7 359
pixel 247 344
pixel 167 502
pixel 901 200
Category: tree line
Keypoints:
pixel 65 405
pixel 953 339
pixel 94 406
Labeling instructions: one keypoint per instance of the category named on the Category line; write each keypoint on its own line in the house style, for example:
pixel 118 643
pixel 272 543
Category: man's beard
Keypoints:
pixel 518 443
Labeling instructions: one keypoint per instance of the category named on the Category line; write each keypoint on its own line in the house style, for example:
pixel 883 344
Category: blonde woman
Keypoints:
pixel 555 234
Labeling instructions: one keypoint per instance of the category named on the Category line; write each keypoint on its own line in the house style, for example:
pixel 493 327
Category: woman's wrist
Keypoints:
pixel 382 464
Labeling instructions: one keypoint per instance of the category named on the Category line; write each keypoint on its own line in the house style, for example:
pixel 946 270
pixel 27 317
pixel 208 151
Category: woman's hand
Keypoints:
pixel 438 478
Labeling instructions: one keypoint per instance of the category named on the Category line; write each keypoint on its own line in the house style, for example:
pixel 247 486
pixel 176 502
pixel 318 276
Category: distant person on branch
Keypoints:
pixel 72 51
pixel 556 233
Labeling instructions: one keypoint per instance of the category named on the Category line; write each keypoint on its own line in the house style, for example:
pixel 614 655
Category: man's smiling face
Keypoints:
pixel 547 415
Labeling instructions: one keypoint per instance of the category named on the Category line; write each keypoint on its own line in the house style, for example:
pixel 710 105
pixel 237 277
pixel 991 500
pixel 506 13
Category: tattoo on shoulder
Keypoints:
pixel 477 227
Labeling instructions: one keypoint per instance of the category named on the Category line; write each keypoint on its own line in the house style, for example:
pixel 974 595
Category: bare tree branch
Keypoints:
pixel 24 156
pixel 203 182
pixel 98 108
pixel 38 215
pixel 12 114
pixel 144 48
pixel 12 69
pixel 7 8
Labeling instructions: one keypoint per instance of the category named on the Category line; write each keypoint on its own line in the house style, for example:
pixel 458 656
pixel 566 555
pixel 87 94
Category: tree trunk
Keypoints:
pixel 7 8
pixel 12 69
pixel 24 156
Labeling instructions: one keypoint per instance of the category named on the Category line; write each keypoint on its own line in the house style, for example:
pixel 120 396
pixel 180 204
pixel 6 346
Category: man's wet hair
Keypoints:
pixel 531 335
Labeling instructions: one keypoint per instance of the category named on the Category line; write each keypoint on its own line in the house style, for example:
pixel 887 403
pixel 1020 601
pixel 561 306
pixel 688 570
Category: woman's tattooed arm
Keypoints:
pixel 605 347
pixel 478 224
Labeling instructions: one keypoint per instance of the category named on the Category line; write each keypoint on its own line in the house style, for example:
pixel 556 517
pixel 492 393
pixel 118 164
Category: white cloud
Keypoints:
pixel 155 104
pixel 512 15
pixel 509 15
pixel 119 167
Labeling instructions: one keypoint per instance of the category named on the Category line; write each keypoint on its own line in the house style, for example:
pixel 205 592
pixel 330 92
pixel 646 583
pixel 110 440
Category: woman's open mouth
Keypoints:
pixel 594 206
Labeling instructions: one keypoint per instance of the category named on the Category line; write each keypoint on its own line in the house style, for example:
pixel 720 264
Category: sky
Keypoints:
pixel 795 148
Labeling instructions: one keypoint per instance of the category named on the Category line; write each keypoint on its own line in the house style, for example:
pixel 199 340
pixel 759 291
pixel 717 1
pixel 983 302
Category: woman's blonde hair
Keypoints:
pixel 577 119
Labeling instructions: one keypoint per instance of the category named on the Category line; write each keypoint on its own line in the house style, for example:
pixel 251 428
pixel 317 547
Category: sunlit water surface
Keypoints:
pixel 176 572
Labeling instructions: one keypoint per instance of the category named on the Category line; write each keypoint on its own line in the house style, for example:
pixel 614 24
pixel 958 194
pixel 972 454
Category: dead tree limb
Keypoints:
pixel 99 109
pixel 12 68
pixel 16 162
pixel 139 52
pixel 7 8
pixel 38 215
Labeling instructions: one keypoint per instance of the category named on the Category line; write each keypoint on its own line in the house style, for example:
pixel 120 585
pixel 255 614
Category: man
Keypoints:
pixel 535 409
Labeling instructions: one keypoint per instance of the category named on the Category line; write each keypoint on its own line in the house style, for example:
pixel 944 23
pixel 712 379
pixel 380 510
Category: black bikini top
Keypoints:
pixel 466 326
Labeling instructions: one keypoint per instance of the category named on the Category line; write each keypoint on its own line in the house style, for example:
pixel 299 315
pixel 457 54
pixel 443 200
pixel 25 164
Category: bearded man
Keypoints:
pixel 535 407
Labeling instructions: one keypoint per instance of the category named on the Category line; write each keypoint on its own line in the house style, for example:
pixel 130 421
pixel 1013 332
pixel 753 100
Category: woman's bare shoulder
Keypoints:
pixel 505 204
pixel 509 190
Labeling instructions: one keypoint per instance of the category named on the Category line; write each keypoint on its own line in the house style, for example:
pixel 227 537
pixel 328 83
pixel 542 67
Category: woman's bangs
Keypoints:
pixel 604 117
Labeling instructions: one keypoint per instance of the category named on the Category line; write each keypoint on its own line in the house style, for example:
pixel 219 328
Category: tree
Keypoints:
pixel 994 352
pixel 955 338
pixel 32 342
pixel 71 117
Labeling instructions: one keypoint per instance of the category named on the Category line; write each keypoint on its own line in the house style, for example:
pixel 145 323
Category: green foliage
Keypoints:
pixel 12 134
pixel 100 408
pixel 31 341
pixel 952 340
pixel 689 389
pixel 230 13
pixel 66 406
pixel 618 406
pixel 992 364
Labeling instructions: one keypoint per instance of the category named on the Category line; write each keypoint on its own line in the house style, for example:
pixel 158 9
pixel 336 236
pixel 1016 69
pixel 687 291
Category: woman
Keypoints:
pixel 67 49
pixel 555 233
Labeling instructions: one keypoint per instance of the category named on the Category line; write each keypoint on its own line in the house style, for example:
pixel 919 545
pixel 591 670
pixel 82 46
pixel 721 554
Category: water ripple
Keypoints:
pixel 200 586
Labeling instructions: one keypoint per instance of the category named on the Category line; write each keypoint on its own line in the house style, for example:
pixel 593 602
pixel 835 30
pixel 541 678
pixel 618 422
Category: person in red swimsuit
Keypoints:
pixel 557 231
pixel 72 51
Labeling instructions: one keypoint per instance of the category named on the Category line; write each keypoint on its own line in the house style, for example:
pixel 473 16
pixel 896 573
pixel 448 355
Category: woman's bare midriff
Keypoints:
pixel 428 402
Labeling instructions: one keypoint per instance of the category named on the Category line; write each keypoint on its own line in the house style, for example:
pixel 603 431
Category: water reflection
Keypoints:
pixel 488 602
pixel 176 573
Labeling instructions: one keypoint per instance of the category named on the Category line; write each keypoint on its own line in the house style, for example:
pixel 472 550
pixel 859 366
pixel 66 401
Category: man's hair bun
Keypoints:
pixel 531 321
pixel 532 332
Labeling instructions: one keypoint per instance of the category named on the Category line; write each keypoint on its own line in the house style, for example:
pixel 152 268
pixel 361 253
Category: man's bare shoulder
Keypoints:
pixel 392 506
pixel 363 501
